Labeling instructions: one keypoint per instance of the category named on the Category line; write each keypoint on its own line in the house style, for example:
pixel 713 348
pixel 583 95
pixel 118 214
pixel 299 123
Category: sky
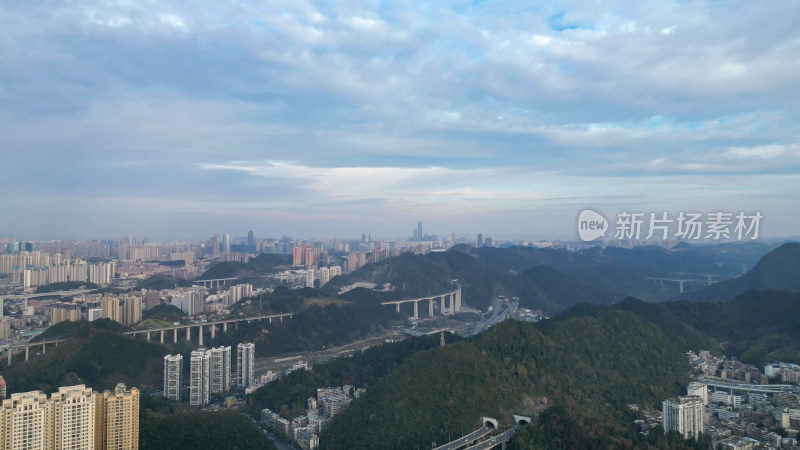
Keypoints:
pixel 176 119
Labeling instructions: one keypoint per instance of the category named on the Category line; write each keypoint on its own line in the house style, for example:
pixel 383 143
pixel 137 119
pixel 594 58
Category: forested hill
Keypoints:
pixel 779 269
pixel 599 275
pixel 262 264
pixel 593 364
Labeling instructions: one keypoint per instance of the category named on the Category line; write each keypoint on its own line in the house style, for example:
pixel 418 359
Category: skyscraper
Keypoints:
pixel 684 415
pixel 220 370
pixel 245 358
pixel 226 243
pixel 199 377
pixel 173 377
pixel 420 236
pixel 480 240
pixel 117 419
pixel 251 241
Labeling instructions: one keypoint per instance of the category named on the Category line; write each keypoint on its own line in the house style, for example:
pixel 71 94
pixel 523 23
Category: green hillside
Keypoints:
pixel 592 365
pixel 778 269
pixel 262 264
pixel 94 354
pixel 544 288
pixel 758 326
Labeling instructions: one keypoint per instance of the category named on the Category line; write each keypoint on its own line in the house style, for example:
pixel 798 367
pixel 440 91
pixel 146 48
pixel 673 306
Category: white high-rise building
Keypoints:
pixel 698 389
pixel 173 377
pixel 684 415
pixel 324 276
pixel 199 377
pixel 245 358
pixel 226 243
pixel 220 370
pixel 310 278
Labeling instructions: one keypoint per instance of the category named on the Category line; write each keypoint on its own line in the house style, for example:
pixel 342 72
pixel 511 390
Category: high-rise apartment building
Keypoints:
pixel 26 421
pixel 75 417
pixel 245 359
pixel 173 377
pixel 117 419
pixel 73 413
pixel 197 303
pixel 220 370
pixel 310 278
pixel 112 308
pixel 420 236
pixel 132 312
pixel 684 415
pixel 199 377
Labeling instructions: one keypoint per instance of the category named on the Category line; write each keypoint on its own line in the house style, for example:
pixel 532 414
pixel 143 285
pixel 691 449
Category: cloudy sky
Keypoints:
pixel 181 119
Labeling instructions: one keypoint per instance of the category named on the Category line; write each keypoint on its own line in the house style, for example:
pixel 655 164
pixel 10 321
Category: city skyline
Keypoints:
pixel 318 120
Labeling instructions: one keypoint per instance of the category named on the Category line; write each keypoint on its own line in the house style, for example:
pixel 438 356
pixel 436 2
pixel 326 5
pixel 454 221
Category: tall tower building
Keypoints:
pixel 73 412
pixel 117 419
pixel 220 370
pixel 480 240
pixel 173 377
pixel 684 415
pixel 226 243
pixel 199 377
pixel 251 241
pixel 420 236
pixel 245 358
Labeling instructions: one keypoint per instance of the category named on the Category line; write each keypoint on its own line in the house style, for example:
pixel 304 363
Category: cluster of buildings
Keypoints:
pixel 735 405
pixel 75 418
pixel 33 269
pixel 304 430
pixel 209 373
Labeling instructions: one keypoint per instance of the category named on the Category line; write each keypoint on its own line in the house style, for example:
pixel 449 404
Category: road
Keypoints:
pixel 466 440
pixel 495 440
pixel 263 364
pixel 500 312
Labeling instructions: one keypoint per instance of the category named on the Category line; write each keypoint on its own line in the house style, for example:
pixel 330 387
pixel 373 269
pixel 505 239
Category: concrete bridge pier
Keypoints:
pixel 416 310
pixel 162 336
pixel 44 348
pixel 200 338
pixel 147 336
pixel 225 326
pixel 213 330
pixel 27 351
pixel 189 334
pixel 175 336
pixel 430 307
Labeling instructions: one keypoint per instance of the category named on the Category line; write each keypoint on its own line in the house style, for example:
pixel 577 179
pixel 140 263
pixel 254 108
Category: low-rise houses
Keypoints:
pixel 305 429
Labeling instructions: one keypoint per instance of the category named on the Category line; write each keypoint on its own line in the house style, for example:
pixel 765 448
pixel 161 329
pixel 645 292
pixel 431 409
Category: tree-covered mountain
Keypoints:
pixel 263 264
pixel 778 269
pixel 545 288
pixel 486 272
pixel 592 364
pixel 758 326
